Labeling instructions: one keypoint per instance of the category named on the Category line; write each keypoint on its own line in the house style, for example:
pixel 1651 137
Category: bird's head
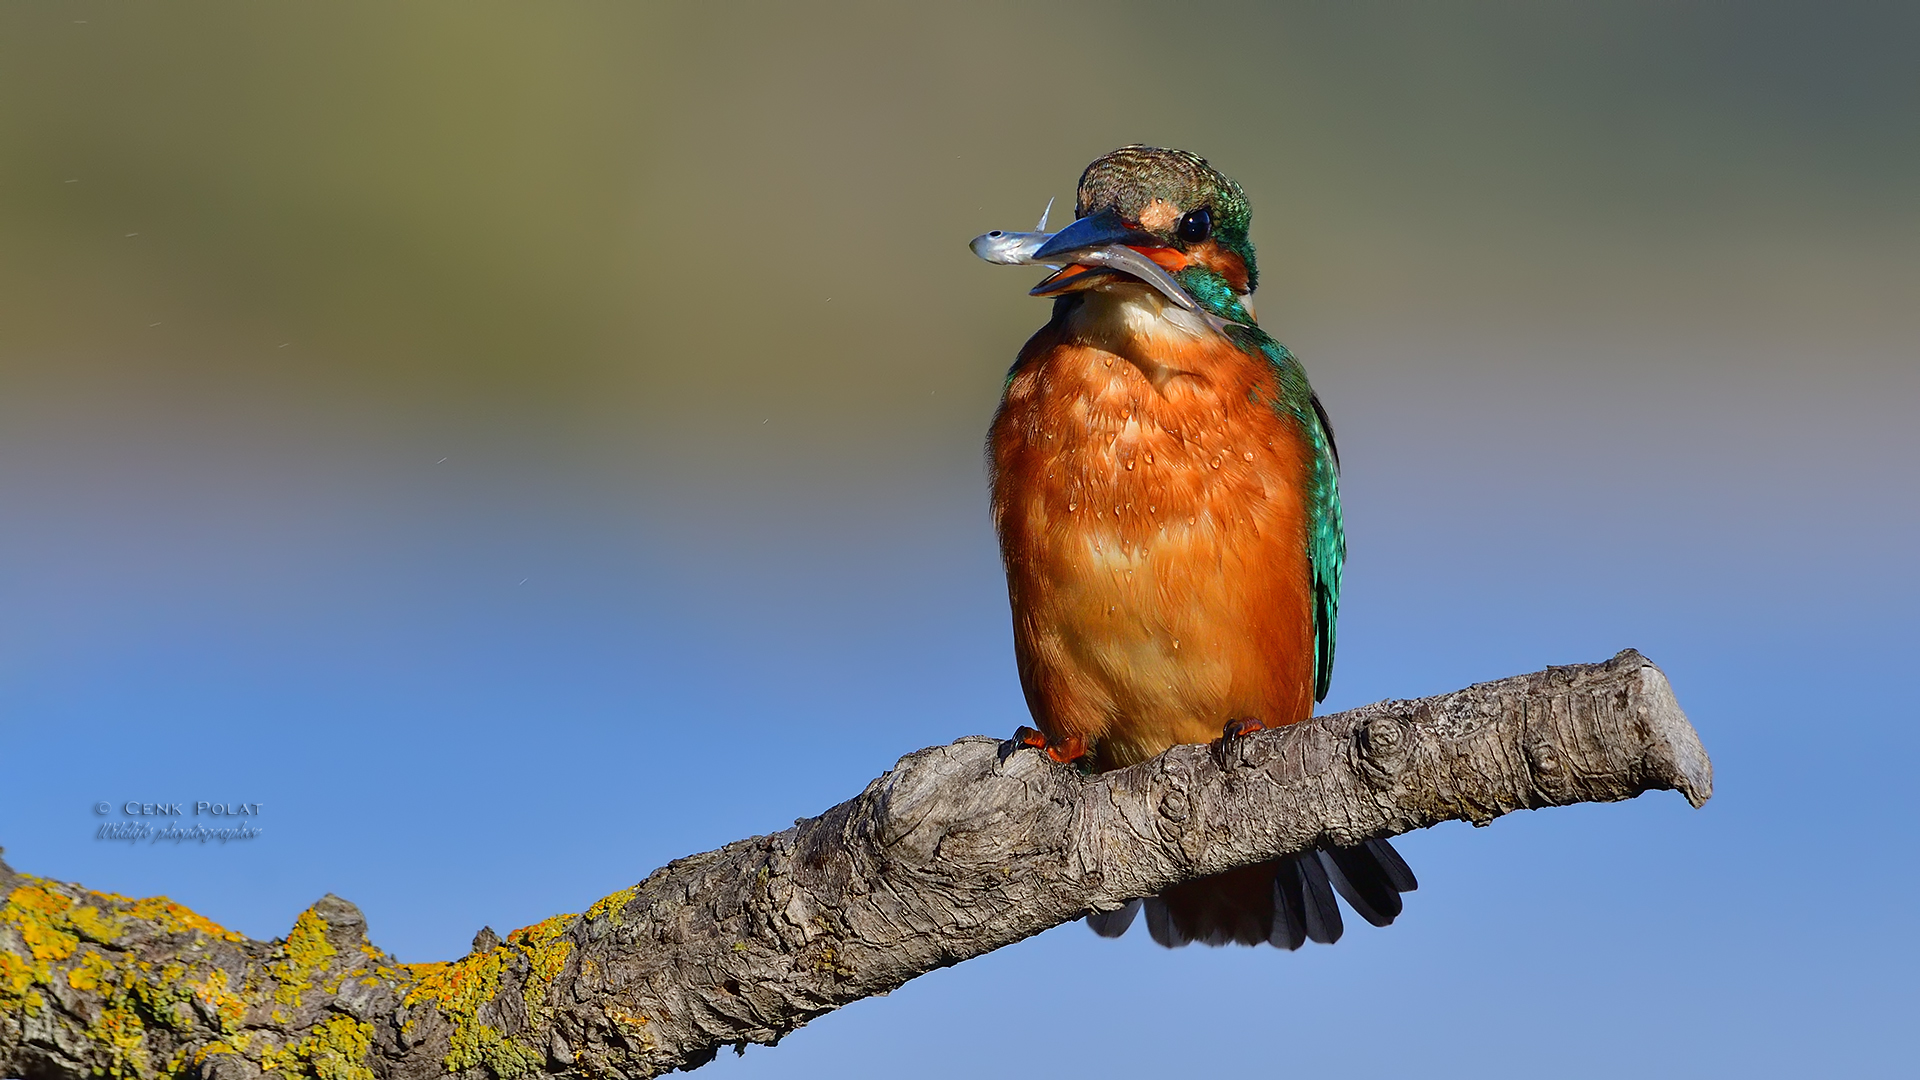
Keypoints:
pixel 1170 206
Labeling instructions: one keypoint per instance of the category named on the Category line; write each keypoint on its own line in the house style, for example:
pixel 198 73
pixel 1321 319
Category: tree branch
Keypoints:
pixel 955 852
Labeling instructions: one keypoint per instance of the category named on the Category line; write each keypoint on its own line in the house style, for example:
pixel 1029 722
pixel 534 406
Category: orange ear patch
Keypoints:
pixel 1159 216
pixel 1208 254
pixel 1221 261
pixel 1170 260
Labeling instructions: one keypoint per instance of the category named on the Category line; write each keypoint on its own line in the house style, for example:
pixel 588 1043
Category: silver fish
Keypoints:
pixel 1015 248
pixel 1009 248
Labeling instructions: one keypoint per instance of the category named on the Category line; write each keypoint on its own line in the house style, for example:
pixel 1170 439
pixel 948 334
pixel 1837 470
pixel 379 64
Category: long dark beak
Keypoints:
pixel 1094 231
pixel 1100 246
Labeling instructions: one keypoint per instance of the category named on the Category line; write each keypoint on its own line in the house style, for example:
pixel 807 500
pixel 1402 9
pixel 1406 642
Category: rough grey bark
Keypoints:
pixel 956 851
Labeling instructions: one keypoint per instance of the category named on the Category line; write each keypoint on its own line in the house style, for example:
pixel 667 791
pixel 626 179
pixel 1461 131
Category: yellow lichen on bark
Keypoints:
pixel 336 1049
pixel 39 916
pixel 92 972
pixel 614 904
pixel 69 940
pixel 173 918
pixel 546 950
pixel 306 951
pixel 458 990
pixel 227 1007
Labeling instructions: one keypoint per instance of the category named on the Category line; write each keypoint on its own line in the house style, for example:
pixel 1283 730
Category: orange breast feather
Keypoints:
pixel 1153 527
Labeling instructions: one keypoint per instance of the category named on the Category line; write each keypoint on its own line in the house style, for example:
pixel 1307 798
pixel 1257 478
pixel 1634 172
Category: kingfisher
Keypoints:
pixel 1167 497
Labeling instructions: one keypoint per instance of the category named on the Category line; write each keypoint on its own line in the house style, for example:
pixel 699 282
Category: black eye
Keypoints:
pixel 1196 226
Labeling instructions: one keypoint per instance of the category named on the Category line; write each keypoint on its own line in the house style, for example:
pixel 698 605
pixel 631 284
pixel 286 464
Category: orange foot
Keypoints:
pixel 1232 735
pixel 1241 728
pixel 1066 751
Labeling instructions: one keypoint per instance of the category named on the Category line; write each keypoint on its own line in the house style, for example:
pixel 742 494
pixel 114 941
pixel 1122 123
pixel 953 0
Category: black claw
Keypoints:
pixel 1233 736
pixel 1023 736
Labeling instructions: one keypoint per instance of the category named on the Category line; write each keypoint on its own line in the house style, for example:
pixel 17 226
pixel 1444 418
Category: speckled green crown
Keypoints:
pixel 1133 176
pixel 1128 178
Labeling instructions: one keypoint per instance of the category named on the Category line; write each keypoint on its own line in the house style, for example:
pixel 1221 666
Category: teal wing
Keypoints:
pixel 1327 538
pixel 1327 546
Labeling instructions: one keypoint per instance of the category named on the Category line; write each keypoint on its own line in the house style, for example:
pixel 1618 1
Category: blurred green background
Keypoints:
pixel 619 221
pixel 522 444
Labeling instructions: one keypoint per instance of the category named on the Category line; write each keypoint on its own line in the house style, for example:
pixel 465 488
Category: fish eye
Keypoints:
pixel 1196 226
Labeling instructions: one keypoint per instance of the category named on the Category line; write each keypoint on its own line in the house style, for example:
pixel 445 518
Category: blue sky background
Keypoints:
pixel 521 446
